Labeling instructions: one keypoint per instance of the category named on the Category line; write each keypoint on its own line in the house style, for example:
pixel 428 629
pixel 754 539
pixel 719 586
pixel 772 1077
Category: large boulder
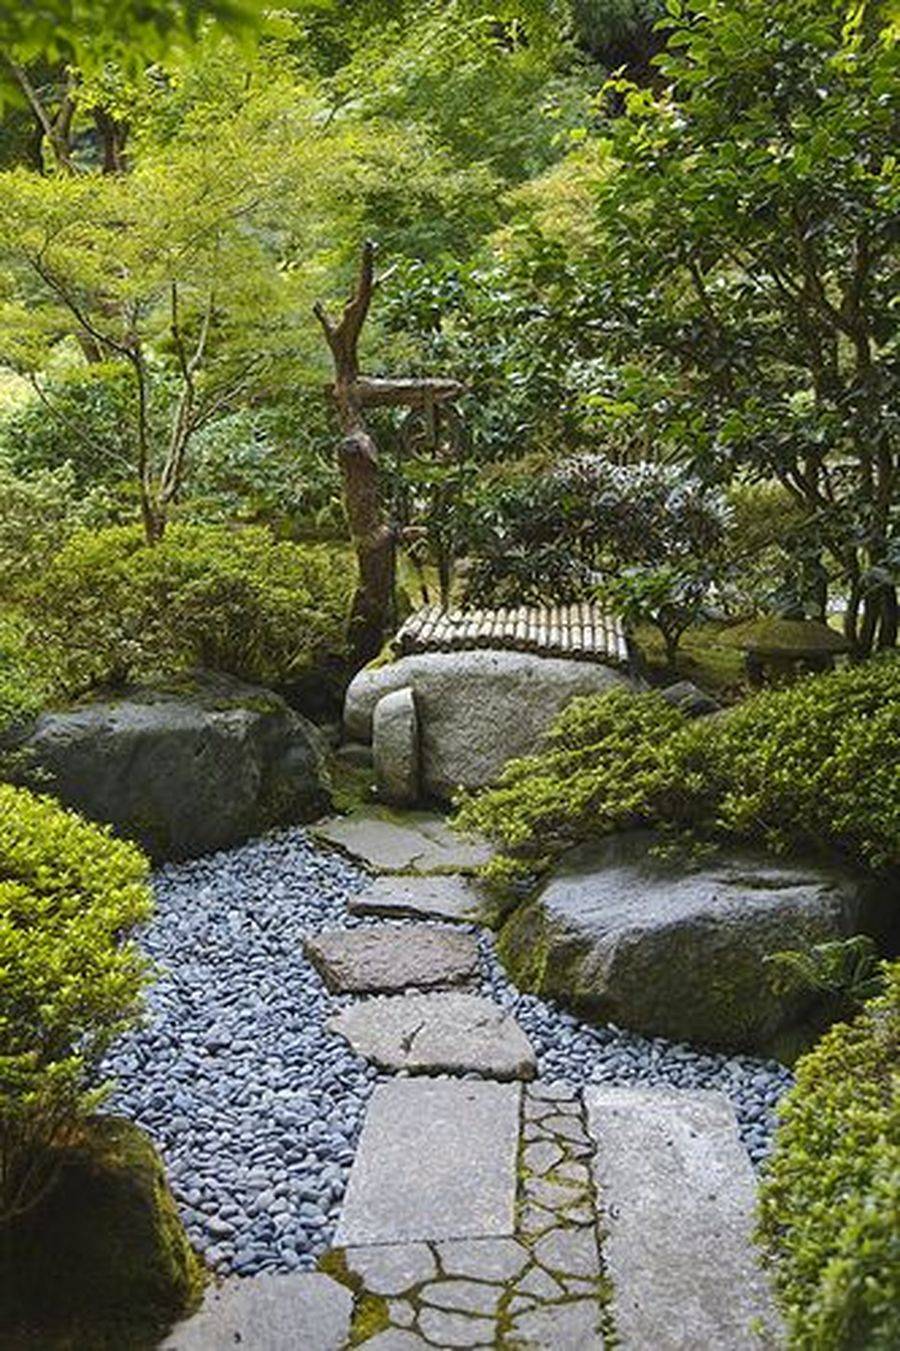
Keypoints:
pixel 102 1259
pixel 182 771
pixel 476 709
pixel 674 946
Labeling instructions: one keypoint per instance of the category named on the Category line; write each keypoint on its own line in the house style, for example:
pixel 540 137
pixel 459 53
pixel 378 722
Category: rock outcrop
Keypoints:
pixel 677 947
pixel 476 710
pixel 182 771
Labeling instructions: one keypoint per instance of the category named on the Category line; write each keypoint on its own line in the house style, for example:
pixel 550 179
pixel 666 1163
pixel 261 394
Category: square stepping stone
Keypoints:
pixel 446 1033
pixel 269 1313
pixel 414 842
pixel 447 896
pixel 436 1160
pixel 678 1195
pixel 387 959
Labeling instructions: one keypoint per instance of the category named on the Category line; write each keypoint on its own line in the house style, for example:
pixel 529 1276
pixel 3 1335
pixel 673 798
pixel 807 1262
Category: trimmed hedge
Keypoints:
pixel 830 1199
pixel 812 766
pixel 70 981
pixel 112 610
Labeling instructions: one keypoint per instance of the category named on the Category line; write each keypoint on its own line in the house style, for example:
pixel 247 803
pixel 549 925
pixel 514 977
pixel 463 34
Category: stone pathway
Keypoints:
pixel 483 1211
pixel 475 1208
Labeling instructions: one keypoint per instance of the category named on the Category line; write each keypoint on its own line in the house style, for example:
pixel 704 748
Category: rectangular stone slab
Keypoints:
pixel 677 1195
pixel 386 958
pixel 436 1160
pixel 446 896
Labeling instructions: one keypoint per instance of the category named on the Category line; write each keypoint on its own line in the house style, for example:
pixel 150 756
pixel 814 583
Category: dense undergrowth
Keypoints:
pixel 70 981
pixel 108 610
pixel 831 1194
pixel 815 765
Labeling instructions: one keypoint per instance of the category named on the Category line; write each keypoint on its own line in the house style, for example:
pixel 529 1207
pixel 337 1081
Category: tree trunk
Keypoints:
pixel 373 543
pixel 372 538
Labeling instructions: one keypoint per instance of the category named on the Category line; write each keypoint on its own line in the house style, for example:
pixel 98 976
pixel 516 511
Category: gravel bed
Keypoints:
pixel 257 1109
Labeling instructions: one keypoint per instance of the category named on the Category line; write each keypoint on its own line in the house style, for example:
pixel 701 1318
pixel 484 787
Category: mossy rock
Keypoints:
pixel 774 637
pixel 102 1263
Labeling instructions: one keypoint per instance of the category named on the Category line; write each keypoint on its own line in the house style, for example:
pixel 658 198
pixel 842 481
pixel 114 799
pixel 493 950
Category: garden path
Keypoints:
pixel 484 1207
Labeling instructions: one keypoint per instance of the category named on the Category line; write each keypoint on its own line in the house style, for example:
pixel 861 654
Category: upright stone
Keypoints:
pixel 678 1195
pixel 436 1160
pixel 395 747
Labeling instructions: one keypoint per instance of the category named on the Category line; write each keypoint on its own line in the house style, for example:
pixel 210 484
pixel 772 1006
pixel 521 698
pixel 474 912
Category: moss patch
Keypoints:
pixel 103 1262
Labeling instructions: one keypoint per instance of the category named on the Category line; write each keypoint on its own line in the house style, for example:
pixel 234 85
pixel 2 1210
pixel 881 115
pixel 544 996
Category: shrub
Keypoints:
pixel 604 762
pixel 82 422
pixel 70 981
pixel 39 512
pixel 831 1192
pixel 553 537
pixel 815 765
pixel 23 686
pixel 112 609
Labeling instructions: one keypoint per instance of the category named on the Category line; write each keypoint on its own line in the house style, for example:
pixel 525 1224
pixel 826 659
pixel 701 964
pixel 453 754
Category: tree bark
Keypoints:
pixel 358 460
pixel 373 540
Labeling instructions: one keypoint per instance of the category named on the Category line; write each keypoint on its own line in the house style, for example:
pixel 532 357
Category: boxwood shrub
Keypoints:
pixel 70 979
pixel 812 766
pixel 109 609
pixel 830 1199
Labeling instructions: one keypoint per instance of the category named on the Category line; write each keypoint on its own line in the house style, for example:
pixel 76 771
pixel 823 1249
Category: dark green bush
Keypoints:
pixel 70 981
pixel 604 762
pixel 815 765
pixel 830 1200
pixel 23 688
pixel 109 609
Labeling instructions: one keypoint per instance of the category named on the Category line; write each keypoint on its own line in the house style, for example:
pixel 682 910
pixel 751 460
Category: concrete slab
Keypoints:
pixel 417 842
pixel 449 896
pixel 677 1195
pixel 436 1160
pixel 389 958
pixel 444 1033
pixel 268 1313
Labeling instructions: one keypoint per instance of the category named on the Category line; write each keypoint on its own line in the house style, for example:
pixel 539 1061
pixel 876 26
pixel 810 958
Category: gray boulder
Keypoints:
pixel 673 947
pixel 690 699
pixel 476 709
pixel 395 748
pixel 183 772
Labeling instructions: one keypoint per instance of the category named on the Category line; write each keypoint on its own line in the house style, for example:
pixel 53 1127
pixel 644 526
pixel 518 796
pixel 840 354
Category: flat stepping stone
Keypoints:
pixel 414 842
pixel 438 1034
pixel 678 1195
pixel 387 959
pixel 269 1313
pixel 449 896
pixel 436 1160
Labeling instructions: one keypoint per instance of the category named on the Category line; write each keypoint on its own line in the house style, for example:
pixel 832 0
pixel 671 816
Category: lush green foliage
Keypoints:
pixel 111 609
pixel 38 513
pixel 555 535
pixel 606 761
pixel 831 1192
pixel 70 981
pixel 814 765
pixel 24 685
pixel 746 260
